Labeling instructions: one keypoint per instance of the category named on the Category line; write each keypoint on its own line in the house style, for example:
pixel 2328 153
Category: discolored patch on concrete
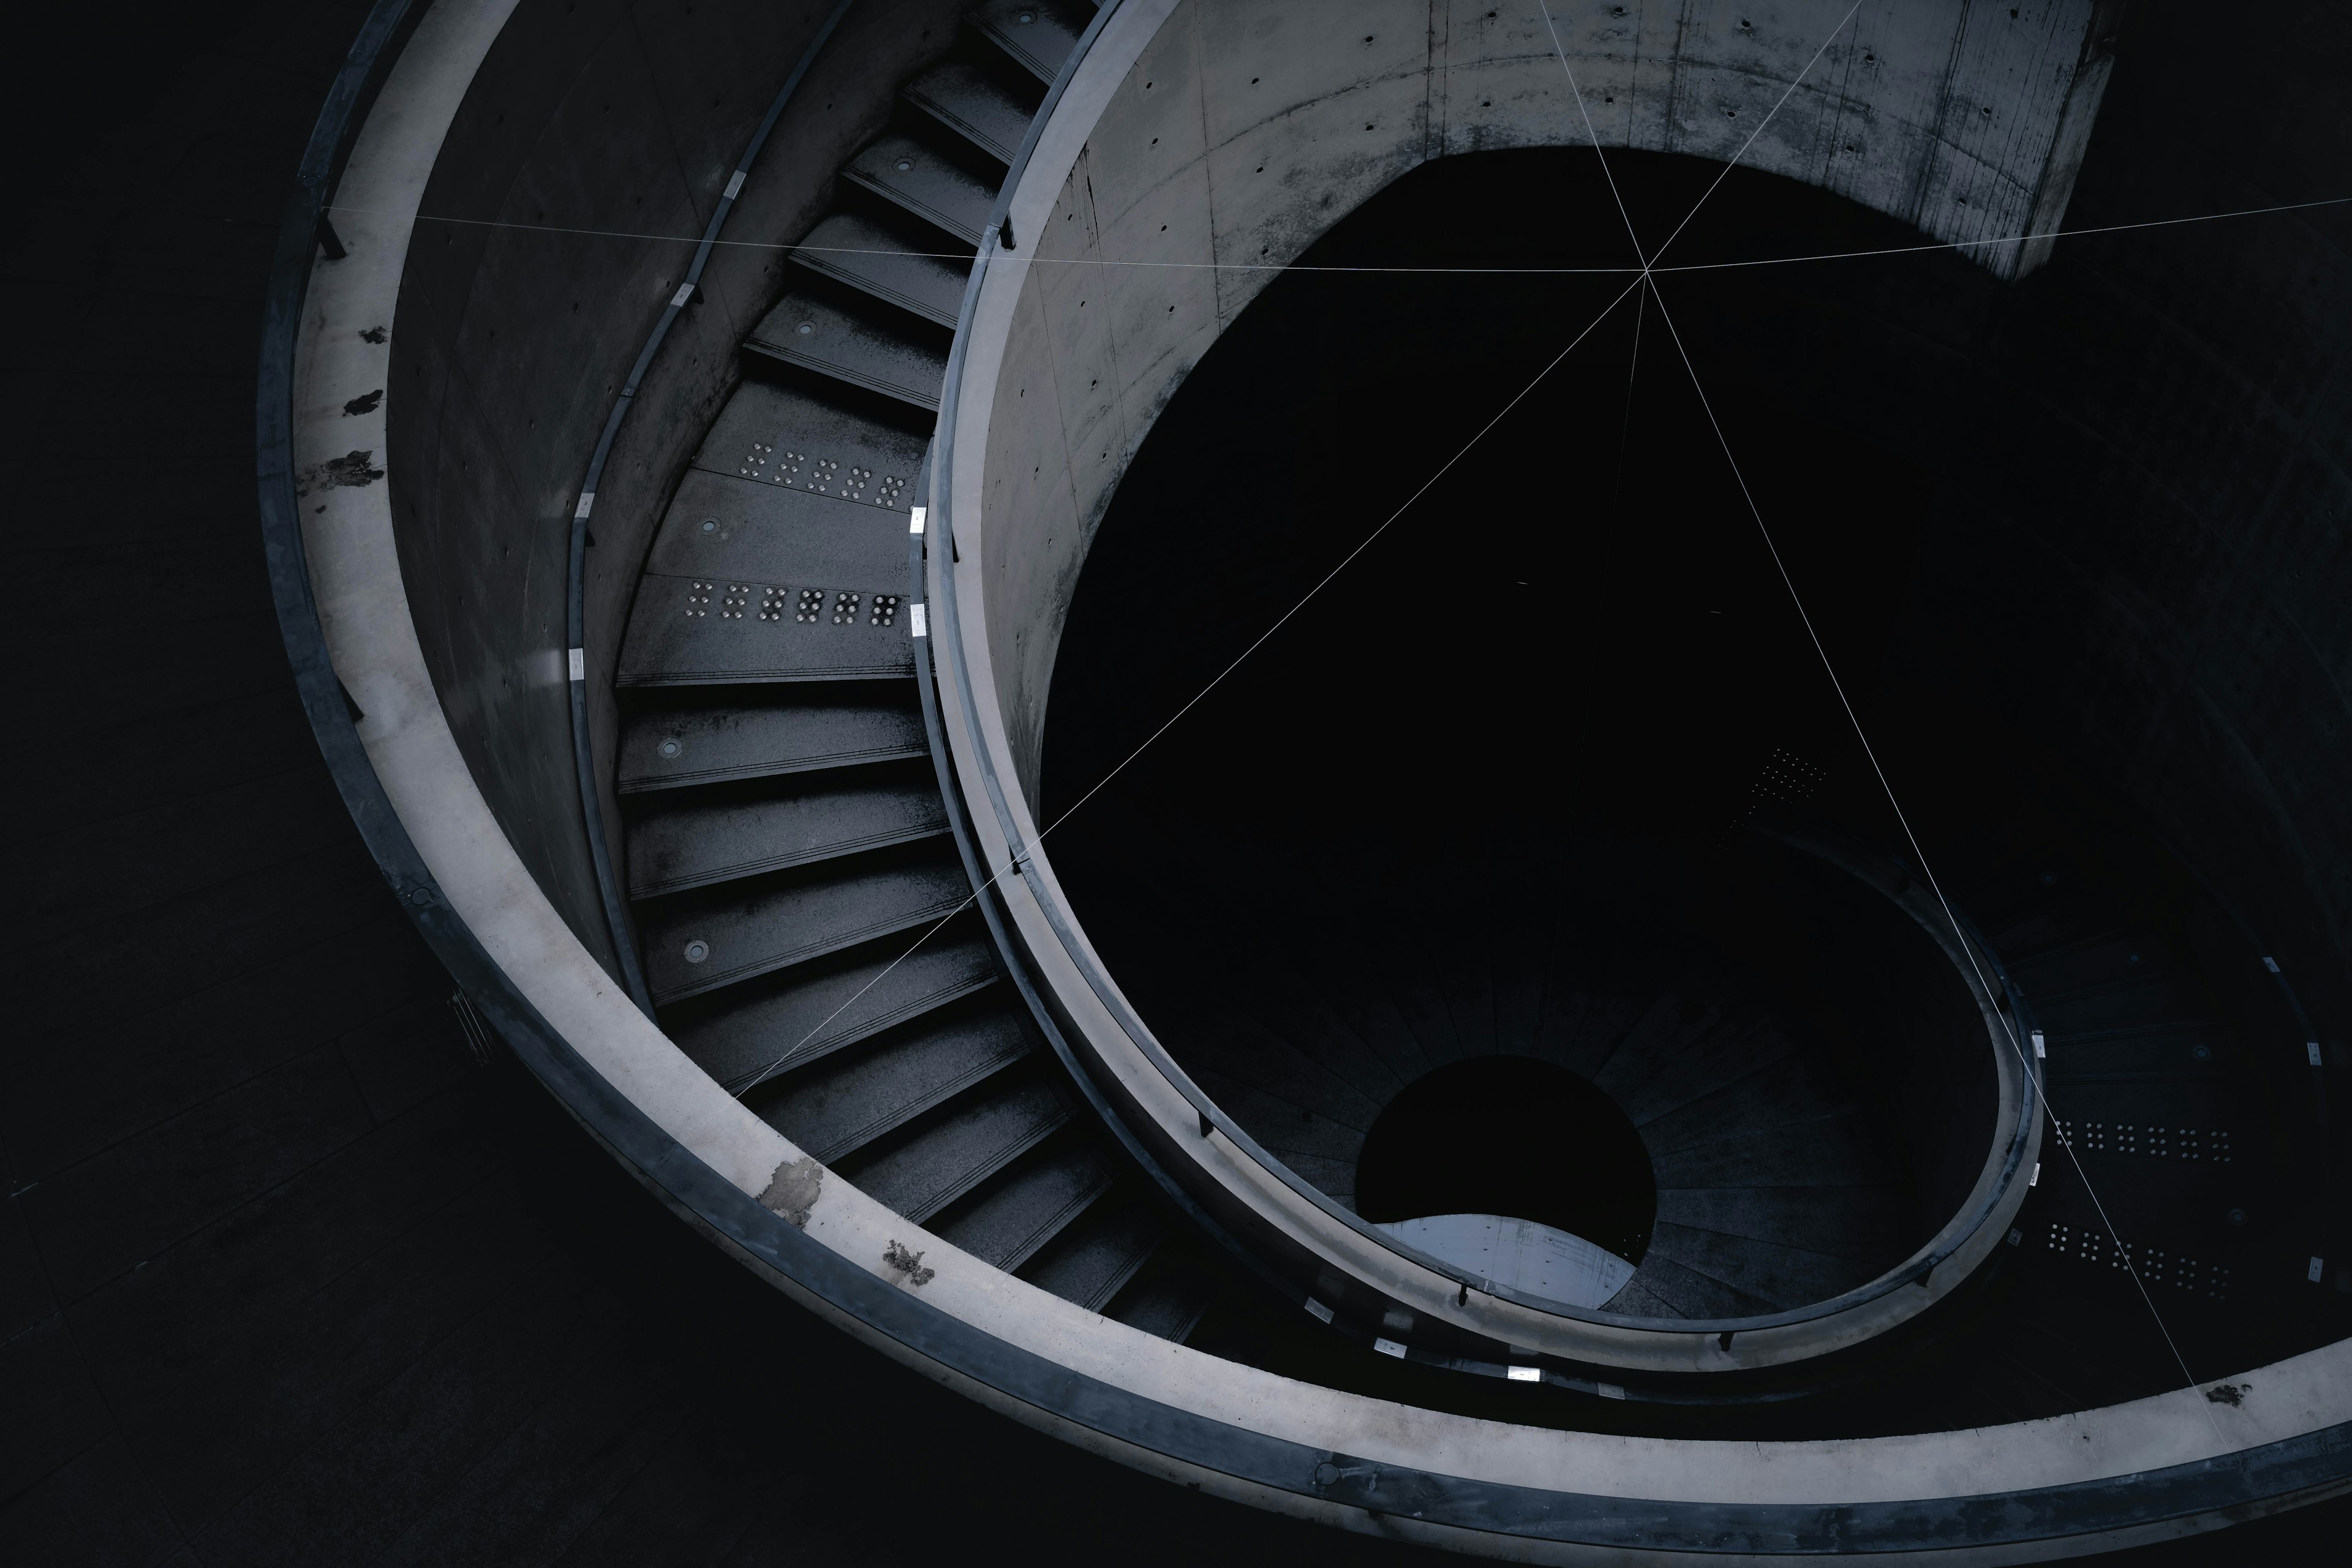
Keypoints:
pixel 792 1191
pixel 909 1264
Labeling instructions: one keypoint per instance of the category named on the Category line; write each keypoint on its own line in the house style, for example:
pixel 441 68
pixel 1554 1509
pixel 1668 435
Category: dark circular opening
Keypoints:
pixel 1514 1137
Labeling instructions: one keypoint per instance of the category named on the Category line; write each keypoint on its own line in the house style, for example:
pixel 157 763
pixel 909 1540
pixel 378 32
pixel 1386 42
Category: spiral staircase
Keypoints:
pixel 873 1056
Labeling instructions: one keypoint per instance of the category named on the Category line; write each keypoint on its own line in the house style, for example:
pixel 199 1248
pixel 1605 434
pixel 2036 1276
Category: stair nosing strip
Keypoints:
pixel 1123 1275
pixel 962 127
pixel 922 1211
pixel 922 210
pixel 930 405
pixel 873 1127
pixel 1055 1223
pixel 869 288
pixel 768 675
pixel 739 871
pixel 648 784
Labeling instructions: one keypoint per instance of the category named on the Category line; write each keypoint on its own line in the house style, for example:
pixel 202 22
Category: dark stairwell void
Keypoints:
pixel 1511 783
pixel 1488 797
pixel 1517 1168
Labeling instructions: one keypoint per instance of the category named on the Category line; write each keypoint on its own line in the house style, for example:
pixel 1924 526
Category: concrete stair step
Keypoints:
pixel 680 747
pixel 916 177
pixel 836 1106
pixel 700 941
pixel 893 262
pixel 1007 1222
pixel 944 1157
pixel 764 1028
pixel 697 842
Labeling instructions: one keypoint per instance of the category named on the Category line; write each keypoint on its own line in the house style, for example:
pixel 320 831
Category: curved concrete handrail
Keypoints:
pixel 1095 122
pixel 2156 1467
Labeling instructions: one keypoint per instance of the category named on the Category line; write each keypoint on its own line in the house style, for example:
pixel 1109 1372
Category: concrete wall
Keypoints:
pixel 626 119
pixel 1245 131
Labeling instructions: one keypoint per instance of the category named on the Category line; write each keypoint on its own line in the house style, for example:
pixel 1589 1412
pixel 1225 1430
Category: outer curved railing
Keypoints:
pixel 2165 1466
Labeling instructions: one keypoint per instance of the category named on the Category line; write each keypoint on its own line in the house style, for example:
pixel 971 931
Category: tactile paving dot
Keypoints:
pixel 698 599
pixel 812 604
pixel 730 608
pixel 772 605
pixel 2152 1265
pixel 845 608
pixel 885 609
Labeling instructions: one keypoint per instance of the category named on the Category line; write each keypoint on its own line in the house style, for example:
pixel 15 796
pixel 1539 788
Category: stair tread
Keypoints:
pixel 1864 1224
pixel 1638 1300
pixel 763 419
pixel 1689 1293
pixel 722 527
pixel 1038 37
pixel 1818 1153
pixel 1713 1052
pixel 710 745
pixel 836 1106
pixel 975 104
pixel 696 843
pixel 933 186
pixel 899 358
pixel 1005 1225
pixel 808 1013
pixel 1785 1093
pixel 1785 1275
pixel 894 267
pixel 924 1172
pixel 720 630
pixel 753 929
pixel 1164 1302
pixel 1093 1260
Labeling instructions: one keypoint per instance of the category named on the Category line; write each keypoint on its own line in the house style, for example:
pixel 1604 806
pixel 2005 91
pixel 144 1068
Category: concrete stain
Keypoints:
pixel 792 1191
pixel 364 404
pixel 352 469
pixel 909 1264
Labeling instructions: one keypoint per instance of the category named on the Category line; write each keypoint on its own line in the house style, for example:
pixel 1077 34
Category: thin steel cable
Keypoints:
pixel 1645 267
pixel 1594 137
pixel 1625 428
pixel 1434 271
pixel 2009 1026
pixel 1755 133
pixel 2006 239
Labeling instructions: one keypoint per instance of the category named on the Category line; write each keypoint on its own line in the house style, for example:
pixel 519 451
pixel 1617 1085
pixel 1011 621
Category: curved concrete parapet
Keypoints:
pixel 2156 1467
